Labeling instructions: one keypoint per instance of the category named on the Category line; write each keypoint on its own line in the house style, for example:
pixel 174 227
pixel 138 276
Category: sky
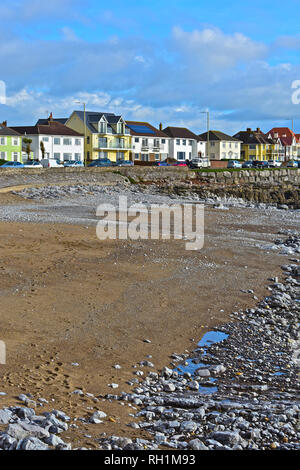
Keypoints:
pixel 166 61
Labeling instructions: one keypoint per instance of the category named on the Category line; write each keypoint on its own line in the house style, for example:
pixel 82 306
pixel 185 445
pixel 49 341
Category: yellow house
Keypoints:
pixel 106 135
pixel 257 146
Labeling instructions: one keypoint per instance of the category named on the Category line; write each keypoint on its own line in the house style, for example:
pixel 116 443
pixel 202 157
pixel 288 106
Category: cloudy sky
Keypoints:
pixel 154 60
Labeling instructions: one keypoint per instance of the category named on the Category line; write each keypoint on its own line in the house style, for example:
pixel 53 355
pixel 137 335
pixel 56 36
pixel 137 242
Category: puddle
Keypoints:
pixel 212 337
pixel 209 338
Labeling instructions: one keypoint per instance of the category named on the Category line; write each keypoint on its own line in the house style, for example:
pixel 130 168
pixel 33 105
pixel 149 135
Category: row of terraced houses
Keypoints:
pixel 88 136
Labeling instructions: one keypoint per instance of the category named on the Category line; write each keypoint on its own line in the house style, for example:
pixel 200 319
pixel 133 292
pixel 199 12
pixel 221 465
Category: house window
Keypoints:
pixel 136 156
pixel 56 156
pixel 15 142
pixel 45 139
pixel 212 144
pixel 177 141
pixel 3 141
pixel 15 156
pixel 180 155
pixel 252 147
pixel 145 157
pixel 67 157
pixel 236 146
pixel 88 140
pixel 136 139
pixel 67 141
pixel 163 141
pixel 77 156
pixel 145 143
pixel 157 156
pixel 224 145
pixel 56 141
pixel 77 141
pixel 184 142
pixel 190 142
pixel 102 127
pixel 3 155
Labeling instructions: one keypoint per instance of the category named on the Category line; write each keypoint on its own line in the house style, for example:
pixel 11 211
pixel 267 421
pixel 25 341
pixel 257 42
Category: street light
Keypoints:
pixel 84 121
pixel 207 143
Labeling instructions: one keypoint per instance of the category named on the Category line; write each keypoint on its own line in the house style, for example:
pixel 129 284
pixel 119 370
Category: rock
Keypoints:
pixel 226 437
pixel 196 444
pixel 5 416
pixel 203 372
pixel 31 443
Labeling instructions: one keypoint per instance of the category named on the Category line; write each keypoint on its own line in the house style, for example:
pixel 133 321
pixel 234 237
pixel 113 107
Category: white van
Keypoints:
pixel 51 163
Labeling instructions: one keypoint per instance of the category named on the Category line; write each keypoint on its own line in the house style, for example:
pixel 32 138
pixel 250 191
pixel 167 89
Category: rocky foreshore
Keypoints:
pixel 237 390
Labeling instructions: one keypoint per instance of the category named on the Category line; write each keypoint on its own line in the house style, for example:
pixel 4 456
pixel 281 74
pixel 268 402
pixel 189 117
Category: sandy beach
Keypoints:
pixel 73 307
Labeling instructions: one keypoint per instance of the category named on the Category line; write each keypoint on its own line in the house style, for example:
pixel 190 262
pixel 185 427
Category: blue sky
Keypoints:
pixel 159 61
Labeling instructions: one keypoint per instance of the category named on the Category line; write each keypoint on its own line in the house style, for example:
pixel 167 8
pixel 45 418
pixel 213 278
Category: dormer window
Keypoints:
pixel 120 128
pixel 102 127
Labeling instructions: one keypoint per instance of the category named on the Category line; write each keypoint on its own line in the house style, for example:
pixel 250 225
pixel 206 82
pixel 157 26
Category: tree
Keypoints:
pixel 28 143
pixel 42 146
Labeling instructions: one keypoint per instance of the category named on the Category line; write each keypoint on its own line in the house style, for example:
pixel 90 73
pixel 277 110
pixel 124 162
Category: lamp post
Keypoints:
pixel 84 121
pixel 207 143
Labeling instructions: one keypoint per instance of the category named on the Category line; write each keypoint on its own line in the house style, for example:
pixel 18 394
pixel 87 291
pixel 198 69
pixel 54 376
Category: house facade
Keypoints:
pixel 258 146
pixel 59 142
pixel 288 140
pixel 148 143
pixel 184 144
pixel 221 146
pixel 107 135
pixel 10 144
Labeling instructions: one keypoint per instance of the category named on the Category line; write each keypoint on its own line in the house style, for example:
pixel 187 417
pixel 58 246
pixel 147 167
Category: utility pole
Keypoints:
pixel 84 123
pixel 207 140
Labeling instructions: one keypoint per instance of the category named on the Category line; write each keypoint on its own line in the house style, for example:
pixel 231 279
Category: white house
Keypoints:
pixel 148 143
pixel 184 144
pixel 59 142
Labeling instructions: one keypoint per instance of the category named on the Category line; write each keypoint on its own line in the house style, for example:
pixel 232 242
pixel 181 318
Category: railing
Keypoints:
pixel 113 145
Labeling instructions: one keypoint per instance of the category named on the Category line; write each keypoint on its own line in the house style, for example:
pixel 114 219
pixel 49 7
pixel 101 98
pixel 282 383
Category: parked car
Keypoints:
pixel 292 164
pixel 199 163
pixel 122 162
pixel 178 164
pixel 234 164
pixel 101 162
pixel 248 164
pixel 32 164
pixel 51 163
pixel 262 164
pixel 73 163
pixel 274 163
pixel 12 165
pixel 163 164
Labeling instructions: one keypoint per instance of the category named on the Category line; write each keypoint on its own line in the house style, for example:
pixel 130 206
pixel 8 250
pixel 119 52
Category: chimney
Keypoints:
pixel 249 129
pixel 160 126
pixel 4 124
pixel 258 129
pixel 51 117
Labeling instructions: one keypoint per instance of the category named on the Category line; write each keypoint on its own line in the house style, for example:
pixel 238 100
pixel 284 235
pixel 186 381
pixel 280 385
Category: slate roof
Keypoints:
pixel 255 137
pixel 8 131
pixel 218 136
pixel 181 133
pixel 45 121
pixel 52 128
pixel 93 117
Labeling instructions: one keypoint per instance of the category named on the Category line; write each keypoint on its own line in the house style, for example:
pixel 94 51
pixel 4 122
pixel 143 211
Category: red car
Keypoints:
pixel 179 164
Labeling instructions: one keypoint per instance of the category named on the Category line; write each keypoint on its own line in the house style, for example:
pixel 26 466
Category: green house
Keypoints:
pixel 10 144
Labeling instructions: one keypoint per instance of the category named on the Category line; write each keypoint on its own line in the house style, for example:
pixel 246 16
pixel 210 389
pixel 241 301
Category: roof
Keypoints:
pixel 285 135
pixel 181 133
pixel 52 128
pixel 93 118
pixel 138 128
pixel 45 121
pixel 218 136
pixel 7 131
pixel 255 137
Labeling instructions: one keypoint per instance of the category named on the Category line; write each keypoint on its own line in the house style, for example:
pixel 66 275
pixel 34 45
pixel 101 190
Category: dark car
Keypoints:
pixel 122 162
pixel 248 164
pixel 101 162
